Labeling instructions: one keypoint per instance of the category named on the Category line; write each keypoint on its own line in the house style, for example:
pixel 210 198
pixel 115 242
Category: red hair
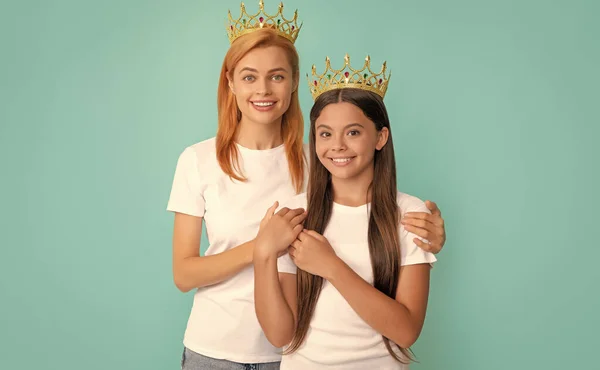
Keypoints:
pixel 292 123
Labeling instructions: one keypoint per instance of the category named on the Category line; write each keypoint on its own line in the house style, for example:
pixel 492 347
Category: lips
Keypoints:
pixel 263 105
pixel 341 161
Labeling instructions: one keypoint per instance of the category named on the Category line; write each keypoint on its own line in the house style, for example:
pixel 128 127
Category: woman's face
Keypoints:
pixel 263 82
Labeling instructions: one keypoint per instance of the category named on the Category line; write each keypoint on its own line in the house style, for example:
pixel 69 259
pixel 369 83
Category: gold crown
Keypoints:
pixel 247 23
pixel 348 77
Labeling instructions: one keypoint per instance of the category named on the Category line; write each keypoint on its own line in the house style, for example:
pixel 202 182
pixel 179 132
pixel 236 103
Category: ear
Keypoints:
pixel 230 83
pixel 295 82
pixel 382 138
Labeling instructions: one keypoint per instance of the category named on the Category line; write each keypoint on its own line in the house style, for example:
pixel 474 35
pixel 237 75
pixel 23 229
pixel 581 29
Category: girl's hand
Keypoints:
pixel 312 253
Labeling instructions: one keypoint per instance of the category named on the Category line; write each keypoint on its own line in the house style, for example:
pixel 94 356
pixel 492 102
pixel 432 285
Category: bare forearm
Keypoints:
pixel 196 272
pixel 272 310
pixel 384 314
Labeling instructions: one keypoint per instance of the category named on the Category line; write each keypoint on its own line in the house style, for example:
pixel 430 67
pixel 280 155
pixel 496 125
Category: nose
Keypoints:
pixel 263 86
pixel 338 143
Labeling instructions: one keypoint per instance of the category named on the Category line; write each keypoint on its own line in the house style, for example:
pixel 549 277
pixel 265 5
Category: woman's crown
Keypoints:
pixel 247 23
pixel 348 77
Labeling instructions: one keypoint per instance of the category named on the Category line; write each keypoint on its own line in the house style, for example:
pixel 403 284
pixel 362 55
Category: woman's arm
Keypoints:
pixel 274 300
pixel 190 270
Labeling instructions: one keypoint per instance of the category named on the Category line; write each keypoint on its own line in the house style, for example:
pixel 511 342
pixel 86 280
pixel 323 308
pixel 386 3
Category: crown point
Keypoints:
pixel 368 58
pixel 346 59
pixel 261 5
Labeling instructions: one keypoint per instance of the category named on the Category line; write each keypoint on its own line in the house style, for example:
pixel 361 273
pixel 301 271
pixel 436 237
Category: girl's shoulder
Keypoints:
pixel 410 203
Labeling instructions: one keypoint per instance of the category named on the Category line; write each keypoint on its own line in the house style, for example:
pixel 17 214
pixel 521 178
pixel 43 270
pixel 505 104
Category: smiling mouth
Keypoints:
pixel 340 162
pixel 263 106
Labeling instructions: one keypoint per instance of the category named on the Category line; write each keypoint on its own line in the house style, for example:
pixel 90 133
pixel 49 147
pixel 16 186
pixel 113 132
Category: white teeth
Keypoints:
pixel 263 104
pixel 341 160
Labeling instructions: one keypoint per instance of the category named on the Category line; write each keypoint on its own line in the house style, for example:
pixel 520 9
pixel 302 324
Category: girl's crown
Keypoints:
pixel 347 77
pixel 247 23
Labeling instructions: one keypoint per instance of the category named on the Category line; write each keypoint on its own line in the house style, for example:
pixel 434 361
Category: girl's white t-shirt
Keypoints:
pixel 223 323
pixel 338 338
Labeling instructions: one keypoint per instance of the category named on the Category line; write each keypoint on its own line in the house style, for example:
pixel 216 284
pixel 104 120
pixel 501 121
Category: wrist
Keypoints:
pixel 336 267
pixel 262 253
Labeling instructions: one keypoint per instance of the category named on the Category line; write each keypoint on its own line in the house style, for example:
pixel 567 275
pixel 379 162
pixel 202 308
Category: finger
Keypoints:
pixel 283 211
pixel 417 216
pixel 299 218
pixel 293 213
pixel 424 246
pixel 423 233
pixel 296 243
pixel 271 211
pixel 418 223
pixel 432 206
pixel 315 235
pixel 429 247
pixel 303 236
pixel 292 252
pixel 297 229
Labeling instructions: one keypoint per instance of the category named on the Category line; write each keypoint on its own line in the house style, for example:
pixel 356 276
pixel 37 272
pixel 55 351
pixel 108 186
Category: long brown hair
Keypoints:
pixel 384 242
pixel 292 123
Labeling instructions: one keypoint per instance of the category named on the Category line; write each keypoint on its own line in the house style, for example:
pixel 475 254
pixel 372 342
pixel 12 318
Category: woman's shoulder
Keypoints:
pixel 200 153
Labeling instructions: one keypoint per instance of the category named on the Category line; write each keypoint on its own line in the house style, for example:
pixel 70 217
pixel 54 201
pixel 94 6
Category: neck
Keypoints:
pixel 353 192
pixel 258 136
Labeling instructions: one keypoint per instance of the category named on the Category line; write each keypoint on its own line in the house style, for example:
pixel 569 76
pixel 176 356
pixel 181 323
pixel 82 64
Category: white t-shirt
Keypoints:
pixel 223 321
pixel 338 338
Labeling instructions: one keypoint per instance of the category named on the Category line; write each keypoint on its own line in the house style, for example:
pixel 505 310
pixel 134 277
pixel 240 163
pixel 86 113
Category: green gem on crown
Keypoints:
pixel 328 76
pixel 365 75
pixel 278 22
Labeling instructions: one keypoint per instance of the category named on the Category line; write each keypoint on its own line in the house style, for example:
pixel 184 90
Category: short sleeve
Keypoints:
pixel 411 253
pixel 187 190
pixel 285 264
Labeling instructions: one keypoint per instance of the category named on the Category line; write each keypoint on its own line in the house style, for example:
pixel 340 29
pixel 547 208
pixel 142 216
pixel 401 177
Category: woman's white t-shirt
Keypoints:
pixel 223 322
pixel 337 337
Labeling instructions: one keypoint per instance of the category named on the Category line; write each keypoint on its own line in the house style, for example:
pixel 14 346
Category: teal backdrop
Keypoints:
pixel 495 112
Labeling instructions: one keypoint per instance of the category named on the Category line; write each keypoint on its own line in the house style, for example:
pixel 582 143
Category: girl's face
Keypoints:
pixel 346 141
pixel 263 82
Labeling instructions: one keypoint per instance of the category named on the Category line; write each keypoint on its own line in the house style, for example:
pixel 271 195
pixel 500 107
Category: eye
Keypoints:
pixel 324 134
pixel 248 78
pixel 277 78
pixel 353 132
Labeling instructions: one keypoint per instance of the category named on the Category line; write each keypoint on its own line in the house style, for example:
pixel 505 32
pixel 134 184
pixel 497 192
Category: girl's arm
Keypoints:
pixel 274 300
pixel 190 270
pixel 400 319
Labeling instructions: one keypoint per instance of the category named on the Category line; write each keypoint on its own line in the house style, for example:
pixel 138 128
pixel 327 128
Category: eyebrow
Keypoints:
pixel 280 69
pixel 347 126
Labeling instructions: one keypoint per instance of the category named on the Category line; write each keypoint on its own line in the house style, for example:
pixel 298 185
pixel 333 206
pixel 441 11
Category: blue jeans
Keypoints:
pixel 195 361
